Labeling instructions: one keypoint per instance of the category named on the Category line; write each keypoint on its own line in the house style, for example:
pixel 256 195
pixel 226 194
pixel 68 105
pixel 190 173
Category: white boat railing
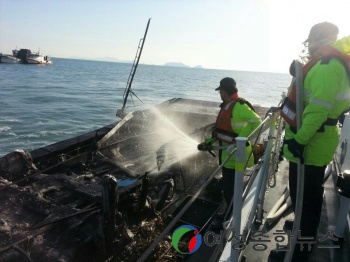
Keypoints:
pixel 236 224
pixel 245 208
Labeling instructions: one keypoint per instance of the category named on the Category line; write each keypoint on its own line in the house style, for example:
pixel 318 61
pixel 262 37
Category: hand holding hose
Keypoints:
pixel 207 146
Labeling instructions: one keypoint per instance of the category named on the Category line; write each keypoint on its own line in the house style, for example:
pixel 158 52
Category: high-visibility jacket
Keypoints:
pixel 243 121
pixel 223 130
pixel 326 96
pixel 288 108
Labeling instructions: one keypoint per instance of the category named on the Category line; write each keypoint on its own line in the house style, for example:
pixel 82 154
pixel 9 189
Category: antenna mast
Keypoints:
pixel 121 112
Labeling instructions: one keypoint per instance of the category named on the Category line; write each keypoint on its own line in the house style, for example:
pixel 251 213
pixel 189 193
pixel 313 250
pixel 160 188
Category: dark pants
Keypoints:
pixel 228 179
pixel 313 197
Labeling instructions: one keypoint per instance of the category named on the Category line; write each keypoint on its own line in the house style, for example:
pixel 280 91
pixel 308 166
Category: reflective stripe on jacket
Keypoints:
pixel 326 96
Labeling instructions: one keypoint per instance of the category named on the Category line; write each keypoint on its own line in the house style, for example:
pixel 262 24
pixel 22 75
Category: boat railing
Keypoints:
pixel 300 163
pixel 249 205
pixel 268 122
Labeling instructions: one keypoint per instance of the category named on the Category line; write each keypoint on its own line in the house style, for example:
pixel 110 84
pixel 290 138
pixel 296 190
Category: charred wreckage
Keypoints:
pixel 106 195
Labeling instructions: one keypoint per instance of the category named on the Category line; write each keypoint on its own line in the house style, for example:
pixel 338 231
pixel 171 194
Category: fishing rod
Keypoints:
pixel 120 112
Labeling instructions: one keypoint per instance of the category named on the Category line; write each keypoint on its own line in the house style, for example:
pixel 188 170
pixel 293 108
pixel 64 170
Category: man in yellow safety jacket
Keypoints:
pixel 326 96
pixel 236 118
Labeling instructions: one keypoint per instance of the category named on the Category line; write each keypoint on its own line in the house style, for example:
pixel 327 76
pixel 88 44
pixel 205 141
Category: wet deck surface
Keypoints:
pixel 325 249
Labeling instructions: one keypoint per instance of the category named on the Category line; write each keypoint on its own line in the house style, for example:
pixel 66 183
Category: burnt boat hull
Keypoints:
pixel 91 196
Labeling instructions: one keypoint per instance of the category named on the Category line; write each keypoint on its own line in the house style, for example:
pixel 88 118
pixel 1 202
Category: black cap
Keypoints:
pixel 321 31
pixel 228 84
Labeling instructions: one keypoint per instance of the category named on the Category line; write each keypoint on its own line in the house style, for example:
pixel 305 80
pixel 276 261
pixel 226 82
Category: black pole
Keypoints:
pixel 137 62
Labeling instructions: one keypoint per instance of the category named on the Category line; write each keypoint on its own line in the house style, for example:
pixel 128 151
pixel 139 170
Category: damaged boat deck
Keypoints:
pixel 102 195
pixel 110 193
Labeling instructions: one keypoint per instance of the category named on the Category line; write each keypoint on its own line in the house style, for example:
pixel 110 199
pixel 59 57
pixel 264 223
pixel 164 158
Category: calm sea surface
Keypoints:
pixel 43 104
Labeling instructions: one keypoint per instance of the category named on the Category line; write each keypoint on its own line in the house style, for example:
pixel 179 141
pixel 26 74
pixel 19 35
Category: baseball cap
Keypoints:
pixel 322 31
pixel 227 84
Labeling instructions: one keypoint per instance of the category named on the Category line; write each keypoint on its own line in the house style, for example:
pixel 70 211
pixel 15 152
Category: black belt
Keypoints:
pixel 329 122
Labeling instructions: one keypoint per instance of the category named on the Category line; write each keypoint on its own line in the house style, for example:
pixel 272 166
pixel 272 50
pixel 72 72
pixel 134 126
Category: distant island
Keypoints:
pixel 179 64
pixel 111 59
pixel 175 64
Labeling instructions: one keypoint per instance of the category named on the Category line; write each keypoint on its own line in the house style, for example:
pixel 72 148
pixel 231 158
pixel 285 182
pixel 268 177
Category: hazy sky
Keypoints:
pixel 250 35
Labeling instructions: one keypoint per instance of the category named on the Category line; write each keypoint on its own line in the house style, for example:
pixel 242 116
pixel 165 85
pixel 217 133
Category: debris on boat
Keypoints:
pixel 102 195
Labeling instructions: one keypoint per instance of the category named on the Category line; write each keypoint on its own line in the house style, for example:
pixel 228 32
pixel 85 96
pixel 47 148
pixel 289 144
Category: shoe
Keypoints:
pixel 300 255
pixel 279 254
pixel 338 241
pixel 288 225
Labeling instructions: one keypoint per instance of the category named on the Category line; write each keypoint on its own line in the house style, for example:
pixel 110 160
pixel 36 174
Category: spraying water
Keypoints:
pixel 178 145
pixel 157 137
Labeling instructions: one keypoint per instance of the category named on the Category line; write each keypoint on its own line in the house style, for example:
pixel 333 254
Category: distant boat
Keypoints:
pixel 38 58
pixel 25 56
pixel 4 58
pixel 15 52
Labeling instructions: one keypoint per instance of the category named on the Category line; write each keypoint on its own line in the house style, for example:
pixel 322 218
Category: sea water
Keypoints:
pixel 44 104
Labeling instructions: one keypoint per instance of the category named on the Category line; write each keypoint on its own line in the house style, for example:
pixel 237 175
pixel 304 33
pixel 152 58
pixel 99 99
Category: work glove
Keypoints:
pixel 296 149
pixel 206 144
pixel 209 141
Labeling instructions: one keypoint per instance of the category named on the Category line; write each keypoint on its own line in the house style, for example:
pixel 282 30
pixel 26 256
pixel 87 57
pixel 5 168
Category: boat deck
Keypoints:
pixel 61 205
pixel 269 237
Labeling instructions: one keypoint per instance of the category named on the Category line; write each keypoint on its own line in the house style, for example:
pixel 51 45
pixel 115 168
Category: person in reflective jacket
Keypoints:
pixel 326 96
pixel 236 118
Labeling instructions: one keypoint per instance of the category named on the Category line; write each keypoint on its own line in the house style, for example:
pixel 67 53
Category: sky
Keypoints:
pixel 247 35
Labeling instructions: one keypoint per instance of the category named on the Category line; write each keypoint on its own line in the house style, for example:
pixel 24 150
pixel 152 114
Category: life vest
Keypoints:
pixel 222 130
pixel 288 107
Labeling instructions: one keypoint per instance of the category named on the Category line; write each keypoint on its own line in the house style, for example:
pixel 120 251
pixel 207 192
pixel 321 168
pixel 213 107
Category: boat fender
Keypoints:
pixel 343 183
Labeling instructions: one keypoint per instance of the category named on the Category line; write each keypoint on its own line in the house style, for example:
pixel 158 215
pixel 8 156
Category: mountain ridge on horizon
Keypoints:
pixel 111 59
